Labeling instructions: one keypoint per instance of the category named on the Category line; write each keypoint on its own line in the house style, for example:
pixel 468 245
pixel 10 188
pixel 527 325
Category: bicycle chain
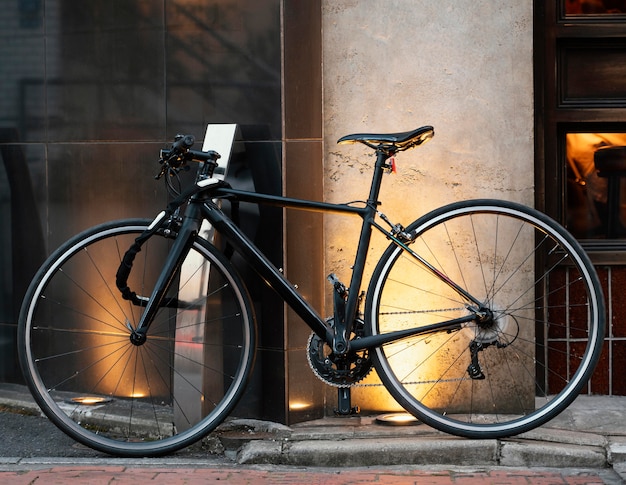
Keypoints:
pixel 436 381
pixel 440 310
pixel 325 369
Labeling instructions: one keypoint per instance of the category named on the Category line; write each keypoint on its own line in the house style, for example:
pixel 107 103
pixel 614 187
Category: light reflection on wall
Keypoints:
pixel 443 358
pixel 298 405
pixel 108 363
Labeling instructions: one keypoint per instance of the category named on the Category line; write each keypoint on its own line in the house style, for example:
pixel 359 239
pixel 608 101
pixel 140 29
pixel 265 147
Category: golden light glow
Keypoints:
pixel 586 210
pixel 91 400
pixel 397 419
pixel 298 405
pixel 100 326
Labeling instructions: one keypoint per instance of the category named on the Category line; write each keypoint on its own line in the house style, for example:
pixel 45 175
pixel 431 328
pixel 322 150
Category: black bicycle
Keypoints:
pixel 483 318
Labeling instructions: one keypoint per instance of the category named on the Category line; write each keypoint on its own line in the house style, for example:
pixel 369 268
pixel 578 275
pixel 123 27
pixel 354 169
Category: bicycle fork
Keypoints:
pixel 177 254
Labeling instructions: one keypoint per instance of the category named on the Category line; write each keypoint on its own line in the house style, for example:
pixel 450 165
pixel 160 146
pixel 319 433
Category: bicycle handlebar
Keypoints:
pixel 180 153
pixel 183 142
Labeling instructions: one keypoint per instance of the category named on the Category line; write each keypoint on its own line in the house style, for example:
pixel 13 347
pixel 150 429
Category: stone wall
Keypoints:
pixel 465 67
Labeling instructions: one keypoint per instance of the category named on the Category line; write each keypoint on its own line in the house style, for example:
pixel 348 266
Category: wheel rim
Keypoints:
pixel 449 398
pixel 161 395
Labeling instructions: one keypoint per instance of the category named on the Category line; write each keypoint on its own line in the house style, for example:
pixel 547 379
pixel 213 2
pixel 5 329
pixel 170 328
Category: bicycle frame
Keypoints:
pixel 201 206
pixel 490 368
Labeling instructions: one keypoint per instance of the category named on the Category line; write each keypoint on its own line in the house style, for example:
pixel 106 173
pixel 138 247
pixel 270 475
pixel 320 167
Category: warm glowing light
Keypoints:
pixel 397 419
pixel 90 400
pixel 137 395
pixel 297 406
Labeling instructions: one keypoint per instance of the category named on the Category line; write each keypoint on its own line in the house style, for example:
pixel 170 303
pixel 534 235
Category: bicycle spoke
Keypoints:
pixel 161 394
pixel 484 380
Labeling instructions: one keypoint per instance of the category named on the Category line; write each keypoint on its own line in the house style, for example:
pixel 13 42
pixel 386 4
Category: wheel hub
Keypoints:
pixel 136 338
pixel 493 327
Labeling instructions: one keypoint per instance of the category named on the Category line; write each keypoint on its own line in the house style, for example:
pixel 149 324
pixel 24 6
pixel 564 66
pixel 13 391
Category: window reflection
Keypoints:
pixel 587 7
pixel 594 211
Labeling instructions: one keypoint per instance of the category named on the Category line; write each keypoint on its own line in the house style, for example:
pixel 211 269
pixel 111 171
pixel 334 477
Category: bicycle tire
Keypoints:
pixel 534 356
pixel 156 398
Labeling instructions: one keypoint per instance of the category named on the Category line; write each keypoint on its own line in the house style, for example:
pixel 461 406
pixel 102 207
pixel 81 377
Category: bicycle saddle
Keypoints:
pixel 400 141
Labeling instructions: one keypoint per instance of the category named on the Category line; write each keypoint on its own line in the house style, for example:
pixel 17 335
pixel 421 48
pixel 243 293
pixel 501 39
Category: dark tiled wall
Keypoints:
pixel 303 179
pixel 90 91
pixel 608 377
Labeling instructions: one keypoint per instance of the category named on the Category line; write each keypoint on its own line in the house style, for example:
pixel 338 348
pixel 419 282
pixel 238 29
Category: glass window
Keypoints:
pixel 596 195
pixel 594 7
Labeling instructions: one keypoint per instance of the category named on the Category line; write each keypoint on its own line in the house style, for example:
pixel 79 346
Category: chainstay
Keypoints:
pixel 357 384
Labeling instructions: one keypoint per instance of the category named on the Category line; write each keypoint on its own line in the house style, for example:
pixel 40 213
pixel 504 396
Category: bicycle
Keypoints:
pixel 483 318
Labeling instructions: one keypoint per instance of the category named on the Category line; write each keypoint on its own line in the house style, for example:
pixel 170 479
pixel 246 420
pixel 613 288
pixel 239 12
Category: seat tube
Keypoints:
pixel 364 239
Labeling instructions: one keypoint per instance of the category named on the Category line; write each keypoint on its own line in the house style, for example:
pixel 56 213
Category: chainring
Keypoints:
pixel 335 370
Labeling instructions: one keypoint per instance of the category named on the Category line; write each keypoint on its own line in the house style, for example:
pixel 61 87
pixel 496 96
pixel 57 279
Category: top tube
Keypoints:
pixel 289 202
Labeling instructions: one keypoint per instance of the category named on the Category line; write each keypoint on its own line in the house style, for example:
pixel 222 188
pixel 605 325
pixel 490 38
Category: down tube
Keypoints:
pixel 268 272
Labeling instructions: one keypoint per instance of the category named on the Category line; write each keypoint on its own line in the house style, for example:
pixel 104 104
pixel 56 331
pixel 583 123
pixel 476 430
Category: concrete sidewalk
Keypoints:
pixel 167 473
pixel 590 434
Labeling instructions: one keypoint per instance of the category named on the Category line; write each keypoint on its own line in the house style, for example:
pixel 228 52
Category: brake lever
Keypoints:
pixel 163 170
pixel 164 162
pixel 177 155
pixel 166 167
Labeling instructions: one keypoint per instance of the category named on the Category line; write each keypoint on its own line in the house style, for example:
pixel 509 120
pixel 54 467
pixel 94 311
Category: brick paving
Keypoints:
pixel 120 475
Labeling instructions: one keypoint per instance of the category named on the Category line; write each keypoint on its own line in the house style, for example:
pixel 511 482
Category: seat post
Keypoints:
pixel 381 157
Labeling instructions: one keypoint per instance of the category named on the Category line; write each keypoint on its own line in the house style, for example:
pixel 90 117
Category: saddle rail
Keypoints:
pixel 391 142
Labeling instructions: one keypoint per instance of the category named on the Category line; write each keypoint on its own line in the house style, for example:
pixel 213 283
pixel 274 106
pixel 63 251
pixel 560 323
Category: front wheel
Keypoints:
pixel 126 398
pixel 538 327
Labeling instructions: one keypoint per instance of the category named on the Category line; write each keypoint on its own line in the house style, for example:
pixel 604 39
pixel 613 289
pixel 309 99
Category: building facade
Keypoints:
pixel 92 90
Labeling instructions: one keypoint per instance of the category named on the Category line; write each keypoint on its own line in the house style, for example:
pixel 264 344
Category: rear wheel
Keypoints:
pixel 122 398
pixel 541 325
